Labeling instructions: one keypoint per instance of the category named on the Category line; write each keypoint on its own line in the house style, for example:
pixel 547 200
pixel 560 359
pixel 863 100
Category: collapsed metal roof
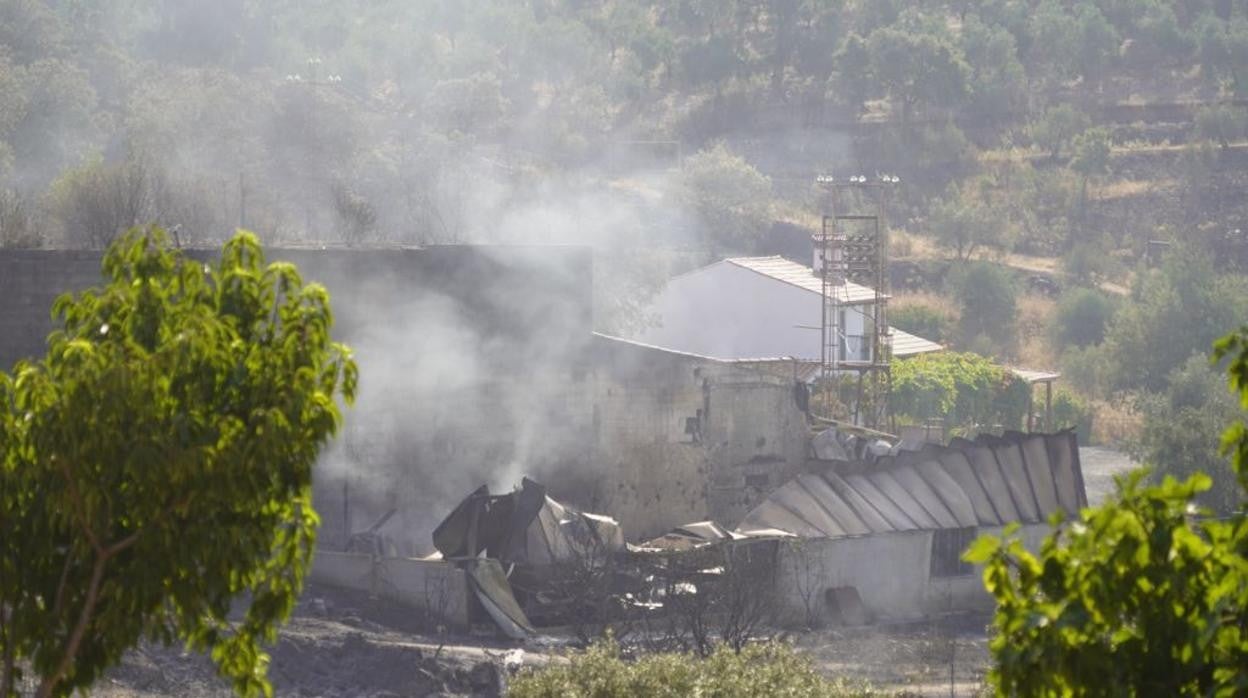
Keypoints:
pixel 991 481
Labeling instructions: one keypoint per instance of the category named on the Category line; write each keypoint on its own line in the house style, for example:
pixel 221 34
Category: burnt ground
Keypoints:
pixel 345 644
pixel 337 644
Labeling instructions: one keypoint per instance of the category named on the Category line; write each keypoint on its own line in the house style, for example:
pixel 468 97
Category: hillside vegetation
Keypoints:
pixel 1075 169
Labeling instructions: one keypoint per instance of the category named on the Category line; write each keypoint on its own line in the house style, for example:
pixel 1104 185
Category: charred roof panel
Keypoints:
pixel 1067 475
pixel 895 491
pixel 892 513
pixel 868 513
pixel 959 468
pixel 989 472
pixel 1010 458
pixel 983 482
pixel 1040 470
pixel 951 494
pixel 832 502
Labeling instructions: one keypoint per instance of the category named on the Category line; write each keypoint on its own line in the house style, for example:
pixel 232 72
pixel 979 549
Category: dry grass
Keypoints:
pixel 930 299
pixel 1035 316
pixel 905 245
pixel 1114 423
pixel 1128 188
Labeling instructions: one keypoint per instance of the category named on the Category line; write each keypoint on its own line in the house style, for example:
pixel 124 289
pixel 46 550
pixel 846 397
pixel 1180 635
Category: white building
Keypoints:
pixel 764 307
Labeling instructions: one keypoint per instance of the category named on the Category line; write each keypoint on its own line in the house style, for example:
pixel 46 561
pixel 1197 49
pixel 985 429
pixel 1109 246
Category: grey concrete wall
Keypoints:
pixel 890 571
pixel 436 590
pixel 752 437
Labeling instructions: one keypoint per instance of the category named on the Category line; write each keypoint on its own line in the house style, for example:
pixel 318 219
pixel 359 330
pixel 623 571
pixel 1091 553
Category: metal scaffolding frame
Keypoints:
pixel 859 256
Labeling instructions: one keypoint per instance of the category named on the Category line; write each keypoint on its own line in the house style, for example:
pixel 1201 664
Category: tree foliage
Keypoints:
pixel 1082 317
pixel 1172 313
pixel 964 389
pixel 1057 128
pixel 988 297
pixel 1139 596
pixel 917 69
pixel 1181 430
pixel 157 463
pixel 730 197
pixel 757 670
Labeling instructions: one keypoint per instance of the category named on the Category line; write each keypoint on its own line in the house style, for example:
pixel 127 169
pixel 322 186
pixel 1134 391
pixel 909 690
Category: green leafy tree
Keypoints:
pixel 964 220
pixel 853 71
pixel 1053 41
pixel 1091 153
pixel 1082 317
pixel 157 464
pixel 731 198
pixel 1172 313
pixel 1181 427
pixel 988 299
pixel 1134 597
pixel 997 81
pixel 1097 42
pixel 917 69
pixel 1056 128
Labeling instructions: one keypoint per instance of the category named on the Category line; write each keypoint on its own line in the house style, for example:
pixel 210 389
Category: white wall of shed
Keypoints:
pixel 890 571
pixel 729 312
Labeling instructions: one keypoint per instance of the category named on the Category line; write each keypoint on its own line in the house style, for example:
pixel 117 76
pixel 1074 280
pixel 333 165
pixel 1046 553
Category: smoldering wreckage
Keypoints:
pixel 676 480
pixel 874 532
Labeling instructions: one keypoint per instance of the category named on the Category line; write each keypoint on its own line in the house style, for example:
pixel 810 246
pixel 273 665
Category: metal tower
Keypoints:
pixel 854 250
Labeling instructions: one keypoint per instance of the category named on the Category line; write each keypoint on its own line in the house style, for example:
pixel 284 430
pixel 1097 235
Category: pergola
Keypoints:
pixel 1032 377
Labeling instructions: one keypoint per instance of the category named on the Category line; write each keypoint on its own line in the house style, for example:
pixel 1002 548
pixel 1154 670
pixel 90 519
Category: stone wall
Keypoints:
pixel 680 438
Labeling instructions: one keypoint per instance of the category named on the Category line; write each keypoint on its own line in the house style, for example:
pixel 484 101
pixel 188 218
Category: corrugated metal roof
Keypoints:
pixel 906 344
pixel 799 275
pixel 987 482
pixel 1033 376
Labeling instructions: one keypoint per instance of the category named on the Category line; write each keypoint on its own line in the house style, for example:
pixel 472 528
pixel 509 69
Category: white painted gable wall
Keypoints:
pixel 728 312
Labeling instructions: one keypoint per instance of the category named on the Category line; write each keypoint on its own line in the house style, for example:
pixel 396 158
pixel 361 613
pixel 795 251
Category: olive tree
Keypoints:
pixel 157 463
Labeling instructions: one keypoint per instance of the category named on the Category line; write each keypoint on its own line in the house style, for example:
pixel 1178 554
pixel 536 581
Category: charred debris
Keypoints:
pixel 875 533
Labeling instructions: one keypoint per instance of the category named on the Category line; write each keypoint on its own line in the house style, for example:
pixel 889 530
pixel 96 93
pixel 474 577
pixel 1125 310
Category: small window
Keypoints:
pixel 948 544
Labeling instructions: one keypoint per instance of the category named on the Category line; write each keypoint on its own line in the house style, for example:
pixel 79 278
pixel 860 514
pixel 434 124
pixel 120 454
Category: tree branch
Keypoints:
pixel 80 628
pixel 6 677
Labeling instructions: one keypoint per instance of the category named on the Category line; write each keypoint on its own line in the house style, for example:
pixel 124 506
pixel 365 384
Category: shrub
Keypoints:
pixel 1181 428
pixel 988 300
pixel 1056 128
pixel 771 669
pixel 1087 367
pixel 1223 124
pixel 1082 317
pixel 1070 410
pixel 926 321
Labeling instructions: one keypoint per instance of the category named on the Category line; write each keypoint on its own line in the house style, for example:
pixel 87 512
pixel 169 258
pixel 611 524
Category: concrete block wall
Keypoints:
pixel 30 281
pixel 656 475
